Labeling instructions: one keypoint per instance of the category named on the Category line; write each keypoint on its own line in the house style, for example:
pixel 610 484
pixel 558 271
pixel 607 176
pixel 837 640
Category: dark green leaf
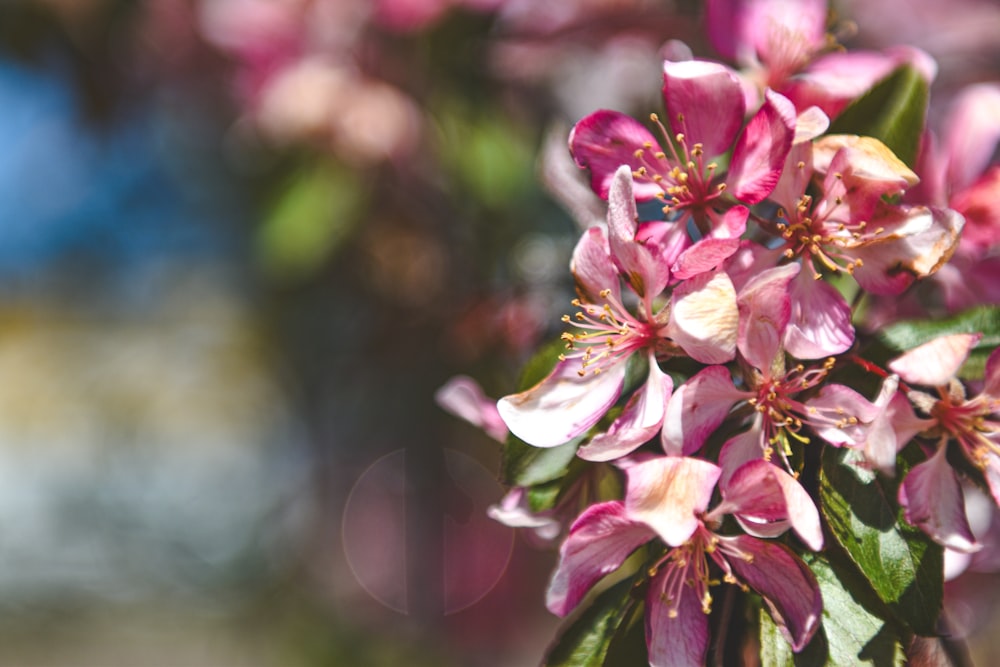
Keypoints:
pixel 902 565
pixel 892 111
pixel 524 465
pixel 587 640
pixel 543 497
pixel 850 635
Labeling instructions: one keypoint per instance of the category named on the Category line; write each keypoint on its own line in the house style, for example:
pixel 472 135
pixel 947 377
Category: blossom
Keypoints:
pixel 699 321
pixel 666 506
pixel 849 227
pixel 705 110
pixel 931 494
pixel 784 45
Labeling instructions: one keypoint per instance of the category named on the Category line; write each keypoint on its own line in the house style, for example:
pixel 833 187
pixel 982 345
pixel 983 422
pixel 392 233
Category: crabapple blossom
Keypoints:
pixel 666 508
pixel 931 493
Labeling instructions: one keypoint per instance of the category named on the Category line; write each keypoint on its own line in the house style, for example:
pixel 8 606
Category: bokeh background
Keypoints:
pixel 242 243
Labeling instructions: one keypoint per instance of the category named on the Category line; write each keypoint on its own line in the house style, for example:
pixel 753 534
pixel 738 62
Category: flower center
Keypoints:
pixel 783 415
pixel 968 423
pixel 811 230
pixel 684 175
pixel 608 334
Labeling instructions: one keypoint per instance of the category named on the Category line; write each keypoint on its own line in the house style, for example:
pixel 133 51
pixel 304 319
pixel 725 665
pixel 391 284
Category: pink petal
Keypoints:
pixel 623 217
pixel 592 267
pixel 760 152
pixel 892 428
pixel 696 409
pixel 638 422
pixel 675 641
pixel 932 500
pixel 704 318
pixel 647 274
pixel 742 29
pixel 732 224
pixel 992 470
pixel 704 256
pixel 980 205
pixel 514 511
pixel 936 361
pixel 833 81
pixel 844 402
pixel 721 243
pixel 604 141
pixel 725 20
pixel 766 500
pixel 820 324
pixel 704 102
pixel 874 168
pixel 598 543
pixel 924 241
pixel 992 375
pixel 668 493
pixel 809 124
pixel 750 260
pixel 747 446
pixel 563 405
pixel 788 587
pixel 795 177
pixel 462 397
pixel 765 308
pixel 972 133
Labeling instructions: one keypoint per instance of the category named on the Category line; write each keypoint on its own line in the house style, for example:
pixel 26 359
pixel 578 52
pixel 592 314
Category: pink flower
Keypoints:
pixel 931 492
pixel 784 45
pixel 699 321
pixel 959 174
pixel 879 429
pixel 848 227
pixel 667 498
pixel 705 110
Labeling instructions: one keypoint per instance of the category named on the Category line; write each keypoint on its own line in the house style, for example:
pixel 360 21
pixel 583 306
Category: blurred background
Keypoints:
pixel 242 243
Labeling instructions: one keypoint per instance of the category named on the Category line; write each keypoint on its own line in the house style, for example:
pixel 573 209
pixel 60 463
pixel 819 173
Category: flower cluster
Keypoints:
pixel 724 355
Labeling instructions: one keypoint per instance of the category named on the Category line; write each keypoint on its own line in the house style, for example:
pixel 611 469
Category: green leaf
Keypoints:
pixel 851 634
pixel 543 497
pixel 316 212
pixel 902 565
pixel 525 465
pixel 897 338
pixel 892 111
pixel 587 641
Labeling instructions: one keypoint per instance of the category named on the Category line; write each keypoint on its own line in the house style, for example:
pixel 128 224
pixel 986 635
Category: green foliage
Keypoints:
pixel 315 213
pixel 892 111
pixel 525 465
pixel 486 155
pixel 851 634
pixel 902 565
pixel 604 634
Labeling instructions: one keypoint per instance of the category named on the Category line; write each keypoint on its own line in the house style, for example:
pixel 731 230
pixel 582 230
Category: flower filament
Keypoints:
pixel 608 334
